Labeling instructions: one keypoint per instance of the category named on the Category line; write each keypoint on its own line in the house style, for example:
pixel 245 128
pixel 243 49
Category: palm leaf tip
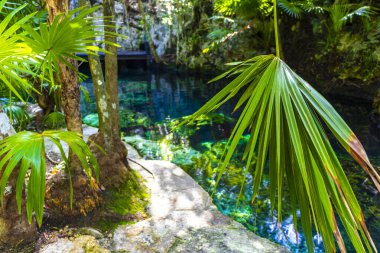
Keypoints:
pixel 357 151
pixel 282 113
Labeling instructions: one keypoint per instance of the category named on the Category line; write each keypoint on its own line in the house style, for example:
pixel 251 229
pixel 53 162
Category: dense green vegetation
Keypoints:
pixel 280 130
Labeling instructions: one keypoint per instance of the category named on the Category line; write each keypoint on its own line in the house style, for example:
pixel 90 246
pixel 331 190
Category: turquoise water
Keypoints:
pixel 151 101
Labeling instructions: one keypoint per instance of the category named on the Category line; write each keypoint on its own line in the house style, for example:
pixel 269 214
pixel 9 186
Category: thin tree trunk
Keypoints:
pixel 147 32
pixel 100 93
pixel 111 72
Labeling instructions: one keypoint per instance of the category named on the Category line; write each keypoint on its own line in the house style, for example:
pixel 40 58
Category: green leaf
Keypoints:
pixel 27 149
pixel 283 112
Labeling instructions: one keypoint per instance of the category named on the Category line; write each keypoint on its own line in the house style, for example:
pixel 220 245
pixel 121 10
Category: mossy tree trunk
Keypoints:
pixel 100 92
pixel 114 168
pixel 111 71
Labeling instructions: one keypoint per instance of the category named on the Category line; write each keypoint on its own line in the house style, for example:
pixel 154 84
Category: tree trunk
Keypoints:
pixel 147 32
pixel 111 69
pixel 56 7
pixel 70 100
pixel 70 93
pixel 86 192
pixel 100 93
pixel 14 228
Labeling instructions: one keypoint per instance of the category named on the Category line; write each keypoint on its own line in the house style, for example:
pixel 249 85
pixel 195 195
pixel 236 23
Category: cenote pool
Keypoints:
pixel 151 103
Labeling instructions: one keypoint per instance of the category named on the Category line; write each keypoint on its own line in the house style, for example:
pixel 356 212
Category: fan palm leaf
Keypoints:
pixel 284 116
pixel 67 35
pixel 25 151
pixel 13 54
pixel 341 13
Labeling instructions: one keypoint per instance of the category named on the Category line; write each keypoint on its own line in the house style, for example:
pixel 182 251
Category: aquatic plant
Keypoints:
pixel 128 119
pixel 284 116
pixel 210 119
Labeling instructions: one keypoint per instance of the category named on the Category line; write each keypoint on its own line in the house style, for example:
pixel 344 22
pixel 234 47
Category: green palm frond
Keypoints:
pixel 86 94
pixel 17 115
pixel 67 35
pixel 342 13
pixel 284 117
pixel 13 54
pixel 293 9
pixel 54 120
pixel 25 151
pixel 363 11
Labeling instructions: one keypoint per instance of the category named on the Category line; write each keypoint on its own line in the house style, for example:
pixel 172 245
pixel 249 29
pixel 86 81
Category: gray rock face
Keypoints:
pixel 128 24
pixel 6 129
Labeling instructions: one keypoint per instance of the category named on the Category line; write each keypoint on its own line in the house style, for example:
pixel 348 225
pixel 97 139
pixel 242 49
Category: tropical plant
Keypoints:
pixel 17 115
pixel 25 151
pixel 341 13
pixel 244 8
pixel 38 52
pixel 54 120
pixel 285 117
pixel 13 55
pixel 68 35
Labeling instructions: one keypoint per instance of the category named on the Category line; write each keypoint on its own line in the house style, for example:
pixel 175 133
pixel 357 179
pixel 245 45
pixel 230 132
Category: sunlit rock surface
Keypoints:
pixel 81 244
pixel 183 218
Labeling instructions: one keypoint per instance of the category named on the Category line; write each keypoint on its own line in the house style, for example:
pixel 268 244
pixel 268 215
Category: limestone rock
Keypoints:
pixel 184 219
pixel 90 231
pixel 81 244
pixel 6 129
pixel 223 239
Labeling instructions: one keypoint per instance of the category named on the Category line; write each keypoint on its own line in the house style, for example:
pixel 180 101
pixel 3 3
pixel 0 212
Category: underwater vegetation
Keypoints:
pixel 128 119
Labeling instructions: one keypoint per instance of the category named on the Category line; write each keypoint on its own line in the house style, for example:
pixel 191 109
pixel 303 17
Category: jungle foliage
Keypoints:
pixel 32 50
pixel 284 116
pixel 335 35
